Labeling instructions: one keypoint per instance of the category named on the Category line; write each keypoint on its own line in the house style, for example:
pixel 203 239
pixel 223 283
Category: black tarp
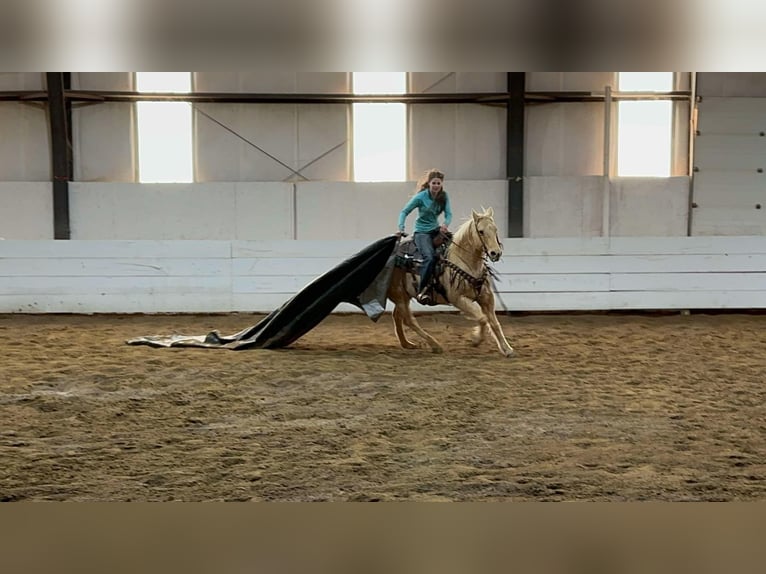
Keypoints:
pixel 362 279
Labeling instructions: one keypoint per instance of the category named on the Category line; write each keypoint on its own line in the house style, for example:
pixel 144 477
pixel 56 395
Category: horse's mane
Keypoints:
pixel 464 231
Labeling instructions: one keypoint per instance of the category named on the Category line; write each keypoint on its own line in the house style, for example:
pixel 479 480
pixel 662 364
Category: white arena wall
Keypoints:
pixel 178 276
pixel 248 247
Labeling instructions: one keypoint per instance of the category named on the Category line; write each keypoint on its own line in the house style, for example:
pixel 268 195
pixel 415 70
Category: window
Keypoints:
pixel 644 129
pixel 164 130
pixel 380 130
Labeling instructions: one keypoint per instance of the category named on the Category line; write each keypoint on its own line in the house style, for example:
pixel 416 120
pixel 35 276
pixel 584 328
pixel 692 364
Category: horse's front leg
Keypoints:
pixel 479 334
pixel 487 304
pixel 477 312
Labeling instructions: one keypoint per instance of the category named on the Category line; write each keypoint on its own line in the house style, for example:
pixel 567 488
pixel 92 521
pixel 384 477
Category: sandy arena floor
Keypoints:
pixel 592 407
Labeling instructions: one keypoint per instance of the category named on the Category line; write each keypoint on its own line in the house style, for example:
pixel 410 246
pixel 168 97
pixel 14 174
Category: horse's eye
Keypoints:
pixel 481 232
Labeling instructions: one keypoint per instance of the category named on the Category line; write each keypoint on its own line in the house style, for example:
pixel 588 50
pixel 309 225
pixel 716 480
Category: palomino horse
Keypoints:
pixel 466 282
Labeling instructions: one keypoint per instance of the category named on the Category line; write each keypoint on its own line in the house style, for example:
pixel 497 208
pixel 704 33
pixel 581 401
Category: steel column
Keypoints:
pixel 515 153
pixel 60 121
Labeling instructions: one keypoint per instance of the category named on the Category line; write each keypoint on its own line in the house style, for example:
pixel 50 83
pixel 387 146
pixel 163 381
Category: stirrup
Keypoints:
pixel 424 298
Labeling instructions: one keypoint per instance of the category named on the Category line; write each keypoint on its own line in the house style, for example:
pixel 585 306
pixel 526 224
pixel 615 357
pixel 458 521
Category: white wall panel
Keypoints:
pixel 89 249
pixel 684 245
pixel 263 211
pixel 273 82
pixel 731 84
pixel 456 82
pixel 12 81
pixel 295 135
pixel 728 190
pixel 371 210
pixel 466 196
pixel 109 81
pixel 114 267
pixel 322 142
pixel 350 210
pixel 181 211
pixel 554 207
pixel 98 154
pixel 564 139
pixel 103 134
pixel 725 152
pixel 480 142
pixel 26 210
pixel 713 281
pixel 466 141
pixel 24 142
pixel 728 221
pixel 563 206
pixel 649 206
pixel 745 116
pixel 223 156
pixel 570 81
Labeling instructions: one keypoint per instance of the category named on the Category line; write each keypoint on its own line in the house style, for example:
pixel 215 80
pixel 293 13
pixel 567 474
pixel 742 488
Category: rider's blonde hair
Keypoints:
pixel 427 176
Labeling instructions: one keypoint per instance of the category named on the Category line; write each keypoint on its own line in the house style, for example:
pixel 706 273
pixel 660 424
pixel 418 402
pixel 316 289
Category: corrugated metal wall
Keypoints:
pixel 730 155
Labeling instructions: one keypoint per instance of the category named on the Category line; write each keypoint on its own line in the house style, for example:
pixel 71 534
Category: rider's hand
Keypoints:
pixel 400 233
pixel 443 228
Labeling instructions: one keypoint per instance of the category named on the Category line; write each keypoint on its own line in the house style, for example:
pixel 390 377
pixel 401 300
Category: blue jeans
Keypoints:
pixel 425 245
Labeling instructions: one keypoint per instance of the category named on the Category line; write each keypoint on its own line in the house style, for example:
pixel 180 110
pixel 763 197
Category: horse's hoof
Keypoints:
pixel 437 350
pixel 476 342
pixel 509 352
pixel 409 345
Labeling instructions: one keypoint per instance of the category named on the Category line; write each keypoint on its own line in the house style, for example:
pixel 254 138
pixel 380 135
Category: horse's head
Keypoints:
pixel 486 233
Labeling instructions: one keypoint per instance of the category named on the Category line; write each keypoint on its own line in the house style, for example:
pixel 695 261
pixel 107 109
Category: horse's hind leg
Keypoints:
pixel 412 323
pixel 399 329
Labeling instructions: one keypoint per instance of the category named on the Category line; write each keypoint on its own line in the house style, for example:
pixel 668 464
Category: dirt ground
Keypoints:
pixel 598 407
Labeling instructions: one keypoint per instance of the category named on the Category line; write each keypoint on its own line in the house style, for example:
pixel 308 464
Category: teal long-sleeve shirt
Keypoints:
pixel 428 212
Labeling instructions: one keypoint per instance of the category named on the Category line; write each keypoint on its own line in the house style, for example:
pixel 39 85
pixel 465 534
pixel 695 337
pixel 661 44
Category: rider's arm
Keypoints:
pixel 447 211
pixel 411 204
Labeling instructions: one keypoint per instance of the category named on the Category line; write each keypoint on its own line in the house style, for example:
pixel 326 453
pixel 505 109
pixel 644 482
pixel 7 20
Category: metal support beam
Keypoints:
pixel 692 137
pixel 487 98
pixel 515 153
pixel 60 121
pixel 606 221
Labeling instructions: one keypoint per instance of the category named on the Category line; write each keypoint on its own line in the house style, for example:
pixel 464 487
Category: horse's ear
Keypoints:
pixel 490 212
pixel 475 215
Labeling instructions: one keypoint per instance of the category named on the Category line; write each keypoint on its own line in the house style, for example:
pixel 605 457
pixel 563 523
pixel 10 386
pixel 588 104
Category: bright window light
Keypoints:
pixel 646 81
pixel 164 130
pixel 380 82
pixel 380 130
pixel 165 82
pixel 644 130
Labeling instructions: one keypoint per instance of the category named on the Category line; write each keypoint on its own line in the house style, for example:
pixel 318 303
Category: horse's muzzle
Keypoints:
pixel 494 256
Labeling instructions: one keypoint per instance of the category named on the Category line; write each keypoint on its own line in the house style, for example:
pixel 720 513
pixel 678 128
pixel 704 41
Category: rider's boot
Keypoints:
pixel 424 297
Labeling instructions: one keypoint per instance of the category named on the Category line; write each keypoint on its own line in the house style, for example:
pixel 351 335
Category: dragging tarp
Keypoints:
pixel 362 279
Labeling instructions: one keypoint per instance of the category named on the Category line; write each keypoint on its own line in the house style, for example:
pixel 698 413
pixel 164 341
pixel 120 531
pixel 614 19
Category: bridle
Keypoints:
pixel 457 272
pixel 481 238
